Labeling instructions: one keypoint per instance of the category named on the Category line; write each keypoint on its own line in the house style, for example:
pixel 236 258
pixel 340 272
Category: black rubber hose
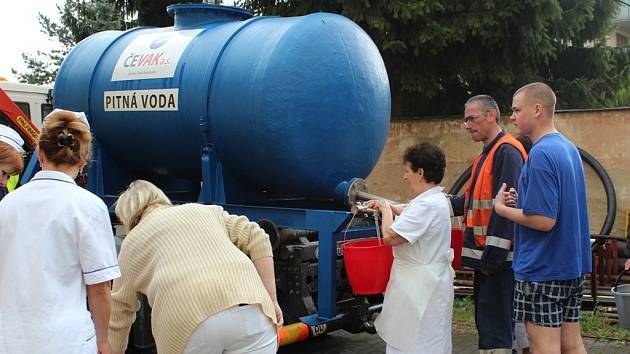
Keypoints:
pixel 461 181
pixel 611 197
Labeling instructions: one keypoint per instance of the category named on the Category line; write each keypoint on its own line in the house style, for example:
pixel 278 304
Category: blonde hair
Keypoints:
pixel 540 93
pixel 11 157
pixel 65 140
pixel 140 196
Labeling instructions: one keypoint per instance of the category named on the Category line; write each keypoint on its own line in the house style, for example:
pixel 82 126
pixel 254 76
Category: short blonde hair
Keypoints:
pixel 135 200
pixel 540 93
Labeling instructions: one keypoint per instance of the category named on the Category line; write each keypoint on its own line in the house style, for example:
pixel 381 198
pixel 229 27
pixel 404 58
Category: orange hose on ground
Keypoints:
pixel 295 332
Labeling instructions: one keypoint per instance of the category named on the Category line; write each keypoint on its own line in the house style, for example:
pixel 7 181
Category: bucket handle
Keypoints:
pixel 347 227
pixel 378 230
pixel 619 279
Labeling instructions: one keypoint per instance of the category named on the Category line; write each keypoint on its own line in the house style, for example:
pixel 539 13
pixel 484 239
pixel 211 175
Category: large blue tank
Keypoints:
pixel 292 106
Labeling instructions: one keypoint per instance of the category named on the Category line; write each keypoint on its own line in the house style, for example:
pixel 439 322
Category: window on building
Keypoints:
pixel 46 108
pixel 621 40
pixel 25 107
pixel 4 120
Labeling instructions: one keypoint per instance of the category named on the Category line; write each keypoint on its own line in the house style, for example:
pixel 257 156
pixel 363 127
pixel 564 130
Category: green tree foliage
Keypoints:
pixel 591 77
pixel 81 18
pixel 150 12
pixel 78 20
pixel 438 52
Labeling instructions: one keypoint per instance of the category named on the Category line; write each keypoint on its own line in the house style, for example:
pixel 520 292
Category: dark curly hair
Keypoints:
pixel 429 158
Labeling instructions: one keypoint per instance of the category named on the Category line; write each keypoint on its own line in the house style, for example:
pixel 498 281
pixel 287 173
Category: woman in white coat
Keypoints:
pixel 57 250
pixel 418 304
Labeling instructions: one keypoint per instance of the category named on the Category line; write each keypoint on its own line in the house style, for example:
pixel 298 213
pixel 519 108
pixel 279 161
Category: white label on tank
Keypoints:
pixel 141 100
pixel 152 55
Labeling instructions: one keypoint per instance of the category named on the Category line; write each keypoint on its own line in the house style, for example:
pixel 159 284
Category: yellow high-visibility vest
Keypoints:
pixel 12 183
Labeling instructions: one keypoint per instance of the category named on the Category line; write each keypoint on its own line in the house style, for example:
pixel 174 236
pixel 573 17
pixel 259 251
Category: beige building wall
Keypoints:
pixel 618 38
pixel 605 134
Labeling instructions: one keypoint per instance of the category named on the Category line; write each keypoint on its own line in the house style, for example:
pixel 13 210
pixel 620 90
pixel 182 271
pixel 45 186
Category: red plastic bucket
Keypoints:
pixel 368 263
pixel 457 241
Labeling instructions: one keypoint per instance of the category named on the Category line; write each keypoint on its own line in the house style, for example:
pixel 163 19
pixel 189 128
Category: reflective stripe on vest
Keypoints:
pixel 498 242
pixel 478 217
pixel 483 204
pixel 476 254
pixel 480 230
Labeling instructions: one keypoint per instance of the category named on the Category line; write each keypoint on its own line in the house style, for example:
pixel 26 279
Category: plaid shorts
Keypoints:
pixel 548 303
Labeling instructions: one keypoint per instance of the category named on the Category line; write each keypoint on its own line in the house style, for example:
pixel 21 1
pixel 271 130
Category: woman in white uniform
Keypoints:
pixel 418 303
pixel 57 249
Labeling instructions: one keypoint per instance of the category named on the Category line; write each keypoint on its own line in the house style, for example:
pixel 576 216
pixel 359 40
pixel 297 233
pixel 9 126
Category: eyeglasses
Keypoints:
pixel 469 119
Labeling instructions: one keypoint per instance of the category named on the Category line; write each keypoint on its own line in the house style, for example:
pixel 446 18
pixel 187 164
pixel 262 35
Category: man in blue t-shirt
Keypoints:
pixel 552 245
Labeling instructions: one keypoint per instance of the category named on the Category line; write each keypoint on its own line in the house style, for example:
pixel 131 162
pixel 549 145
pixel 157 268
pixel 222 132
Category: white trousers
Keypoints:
pixel 240 329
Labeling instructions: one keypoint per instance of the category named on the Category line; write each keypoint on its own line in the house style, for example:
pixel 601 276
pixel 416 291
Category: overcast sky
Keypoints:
pixel 20 32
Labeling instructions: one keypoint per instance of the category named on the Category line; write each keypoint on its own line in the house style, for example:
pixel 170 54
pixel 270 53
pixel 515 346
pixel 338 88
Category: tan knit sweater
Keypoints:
pixel 192 262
